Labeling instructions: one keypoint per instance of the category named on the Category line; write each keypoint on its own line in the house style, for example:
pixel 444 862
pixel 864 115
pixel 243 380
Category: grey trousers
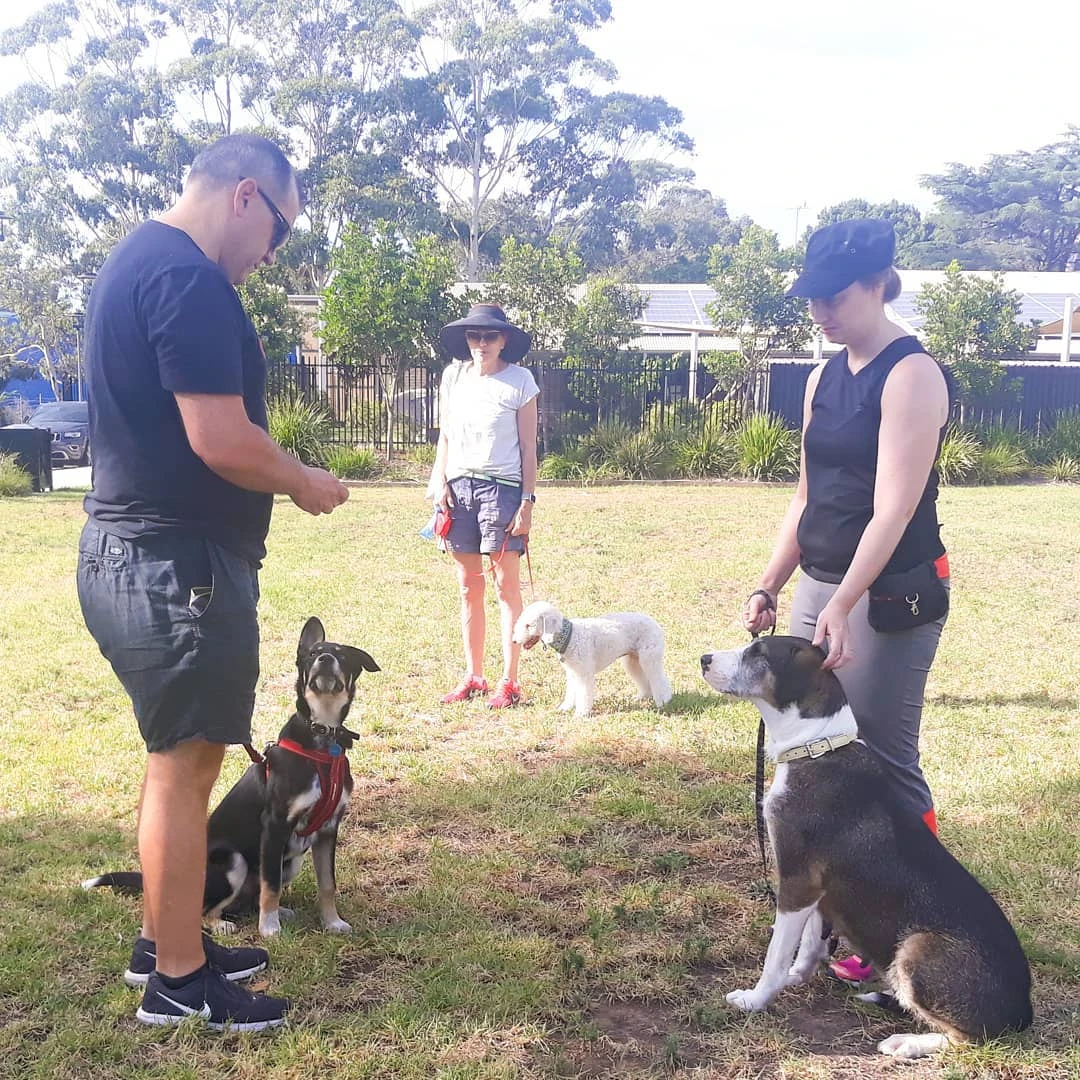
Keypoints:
pixel 884 683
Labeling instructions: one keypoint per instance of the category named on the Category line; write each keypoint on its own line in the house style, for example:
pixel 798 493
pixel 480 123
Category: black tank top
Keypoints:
pixel 840 457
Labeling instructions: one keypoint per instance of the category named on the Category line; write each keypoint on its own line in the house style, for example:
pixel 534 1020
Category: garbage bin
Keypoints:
pixel 32 447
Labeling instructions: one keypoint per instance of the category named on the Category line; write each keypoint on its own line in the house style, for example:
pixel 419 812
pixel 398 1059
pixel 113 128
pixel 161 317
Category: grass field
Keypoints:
pixel 534 895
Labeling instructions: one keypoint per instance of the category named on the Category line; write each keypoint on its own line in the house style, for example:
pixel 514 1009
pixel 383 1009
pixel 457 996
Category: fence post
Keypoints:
pixel 1066 330
pixel 693 367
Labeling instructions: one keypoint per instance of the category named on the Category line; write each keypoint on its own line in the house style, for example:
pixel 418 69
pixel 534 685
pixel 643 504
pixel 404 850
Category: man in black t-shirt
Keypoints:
pixel 183 484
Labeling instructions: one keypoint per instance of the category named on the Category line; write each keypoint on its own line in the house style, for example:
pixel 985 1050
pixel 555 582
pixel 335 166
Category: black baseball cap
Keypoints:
pixel 842 253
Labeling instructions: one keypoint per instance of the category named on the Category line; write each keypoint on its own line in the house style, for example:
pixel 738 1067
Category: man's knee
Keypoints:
pixel 194 764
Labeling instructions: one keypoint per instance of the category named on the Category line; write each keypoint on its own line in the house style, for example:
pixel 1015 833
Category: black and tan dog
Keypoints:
pixel 257 836
pixel 848 854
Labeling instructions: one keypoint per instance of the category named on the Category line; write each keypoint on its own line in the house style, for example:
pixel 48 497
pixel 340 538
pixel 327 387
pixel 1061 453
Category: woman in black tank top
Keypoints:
pixel 873 420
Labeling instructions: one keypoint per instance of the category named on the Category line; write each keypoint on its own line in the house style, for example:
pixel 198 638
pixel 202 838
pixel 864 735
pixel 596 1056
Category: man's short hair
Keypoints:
pixel 228 159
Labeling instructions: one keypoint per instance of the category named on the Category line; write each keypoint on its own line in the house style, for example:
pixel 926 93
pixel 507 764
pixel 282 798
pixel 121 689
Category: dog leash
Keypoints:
pixel 759 763
pixel 492 560
pixel 254 754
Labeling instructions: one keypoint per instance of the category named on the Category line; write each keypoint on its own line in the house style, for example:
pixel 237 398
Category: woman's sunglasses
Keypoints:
pixel 483 337
pixel 282 228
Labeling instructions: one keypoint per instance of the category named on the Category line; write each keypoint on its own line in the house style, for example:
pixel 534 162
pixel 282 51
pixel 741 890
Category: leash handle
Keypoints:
pixel 770 605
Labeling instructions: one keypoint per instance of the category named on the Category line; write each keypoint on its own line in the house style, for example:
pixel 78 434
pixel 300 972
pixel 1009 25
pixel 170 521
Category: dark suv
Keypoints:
pixel 69 422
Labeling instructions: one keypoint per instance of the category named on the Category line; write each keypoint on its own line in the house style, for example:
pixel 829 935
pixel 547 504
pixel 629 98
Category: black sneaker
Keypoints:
pixel 222 1004
pixel 234 964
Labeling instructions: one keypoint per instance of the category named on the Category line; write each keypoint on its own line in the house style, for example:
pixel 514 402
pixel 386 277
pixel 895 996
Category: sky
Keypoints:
pixel 794 106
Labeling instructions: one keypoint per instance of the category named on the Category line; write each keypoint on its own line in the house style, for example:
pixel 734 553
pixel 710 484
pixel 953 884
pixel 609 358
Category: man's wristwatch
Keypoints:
pixel 531 497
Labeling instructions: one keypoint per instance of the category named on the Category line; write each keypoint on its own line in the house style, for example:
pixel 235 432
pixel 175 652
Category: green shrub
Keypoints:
pixel 1062 470
pixel 423 455
pixel 959 455
pixel 1063 439
pixel 1000 463
pixel 352 462
pixel 766 449
pixel 300 427
pixel 601 444
pixel 711 452
pixel 14 479
pixel 561 467
pixel 643 456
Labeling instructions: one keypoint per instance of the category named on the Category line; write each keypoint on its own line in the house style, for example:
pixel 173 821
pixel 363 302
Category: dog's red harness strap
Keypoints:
pixel 333 770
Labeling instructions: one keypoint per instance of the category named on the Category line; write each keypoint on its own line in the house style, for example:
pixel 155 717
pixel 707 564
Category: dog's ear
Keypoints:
pixel 310 636
pixel 358 659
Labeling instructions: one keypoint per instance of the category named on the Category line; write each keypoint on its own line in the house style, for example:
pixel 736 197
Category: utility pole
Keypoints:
pixel 798 210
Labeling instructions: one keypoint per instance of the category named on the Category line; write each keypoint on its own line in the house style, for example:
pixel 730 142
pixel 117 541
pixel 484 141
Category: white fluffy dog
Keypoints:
pixel 586 646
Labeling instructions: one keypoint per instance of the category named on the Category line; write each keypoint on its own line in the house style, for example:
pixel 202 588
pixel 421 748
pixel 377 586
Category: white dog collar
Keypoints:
pixel 817 748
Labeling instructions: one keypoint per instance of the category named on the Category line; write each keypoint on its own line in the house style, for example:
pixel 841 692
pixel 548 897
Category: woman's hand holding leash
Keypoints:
pixel 522 523
pixel 759 614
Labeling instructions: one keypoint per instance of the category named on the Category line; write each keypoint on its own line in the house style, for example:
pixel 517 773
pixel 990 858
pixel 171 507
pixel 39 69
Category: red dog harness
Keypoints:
pixel 333 772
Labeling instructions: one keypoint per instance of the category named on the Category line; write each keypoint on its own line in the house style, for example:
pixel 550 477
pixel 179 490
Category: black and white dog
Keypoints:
pixel 275 812
pixel 849 855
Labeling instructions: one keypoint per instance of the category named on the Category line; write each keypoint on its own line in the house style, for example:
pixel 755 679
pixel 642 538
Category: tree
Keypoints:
pixel 604 320
pixel 750 279
pixel 280 327
pixel 38 298
pixel 673 236
pixel 94 150
pixel 1023 207
pixel 508 104
pixel 336 94
pixel 535 285
pixel 969 323
pixel 224 76
pixel 385 305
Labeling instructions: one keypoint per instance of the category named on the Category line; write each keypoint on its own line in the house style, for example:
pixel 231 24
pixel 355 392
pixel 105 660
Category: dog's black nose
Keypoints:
pixel 325 660
pixel 706 660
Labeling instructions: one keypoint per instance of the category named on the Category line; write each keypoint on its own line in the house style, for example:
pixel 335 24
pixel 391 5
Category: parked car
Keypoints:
pixel 69 422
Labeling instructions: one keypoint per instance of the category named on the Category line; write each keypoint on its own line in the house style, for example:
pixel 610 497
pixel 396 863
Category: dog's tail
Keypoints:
pixel 123 881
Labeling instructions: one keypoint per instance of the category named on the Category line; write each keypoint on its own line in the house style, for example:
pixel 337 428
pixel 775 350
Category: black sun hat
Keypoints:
pixel 840 254
pixel 485 317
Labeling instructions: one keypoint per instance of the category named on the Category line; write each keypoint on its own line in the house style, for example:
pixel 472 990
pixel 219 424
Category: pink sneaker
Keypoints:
pixel 507 693
pixel 853 971
pixel 471 684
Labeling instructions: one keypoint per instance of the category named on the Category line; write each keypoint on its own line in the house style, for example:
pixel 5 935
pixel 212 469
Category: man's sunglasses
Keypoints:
pixel 483 337
pixel 282 228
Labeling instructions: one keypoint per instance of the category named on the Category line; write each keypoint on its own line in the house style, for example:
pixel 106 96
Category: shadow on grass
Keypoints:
pixel 584 914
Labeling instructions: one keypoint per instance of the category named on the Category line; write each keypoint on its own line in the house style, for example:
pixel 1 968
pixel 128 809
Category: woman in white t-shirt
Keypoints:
pixel 485 479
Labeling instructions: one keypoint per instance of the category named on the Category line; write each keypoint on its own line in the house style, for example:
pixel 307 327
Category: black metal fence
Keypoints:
pixel 641 392
pixel 1032 394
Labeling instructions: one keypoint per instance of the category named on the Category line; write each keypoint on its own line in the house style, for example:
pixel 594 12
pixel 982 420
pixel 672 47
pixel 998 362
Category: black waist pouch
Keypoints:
pixel 907 599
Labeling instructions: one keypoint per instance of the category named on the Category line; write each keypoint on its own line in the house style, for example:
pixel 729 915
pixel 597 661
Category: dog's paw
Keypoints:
pixel 222 926
pixel 270 924
pixel 908 1047
pixel 337 926
pixel 748 1000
